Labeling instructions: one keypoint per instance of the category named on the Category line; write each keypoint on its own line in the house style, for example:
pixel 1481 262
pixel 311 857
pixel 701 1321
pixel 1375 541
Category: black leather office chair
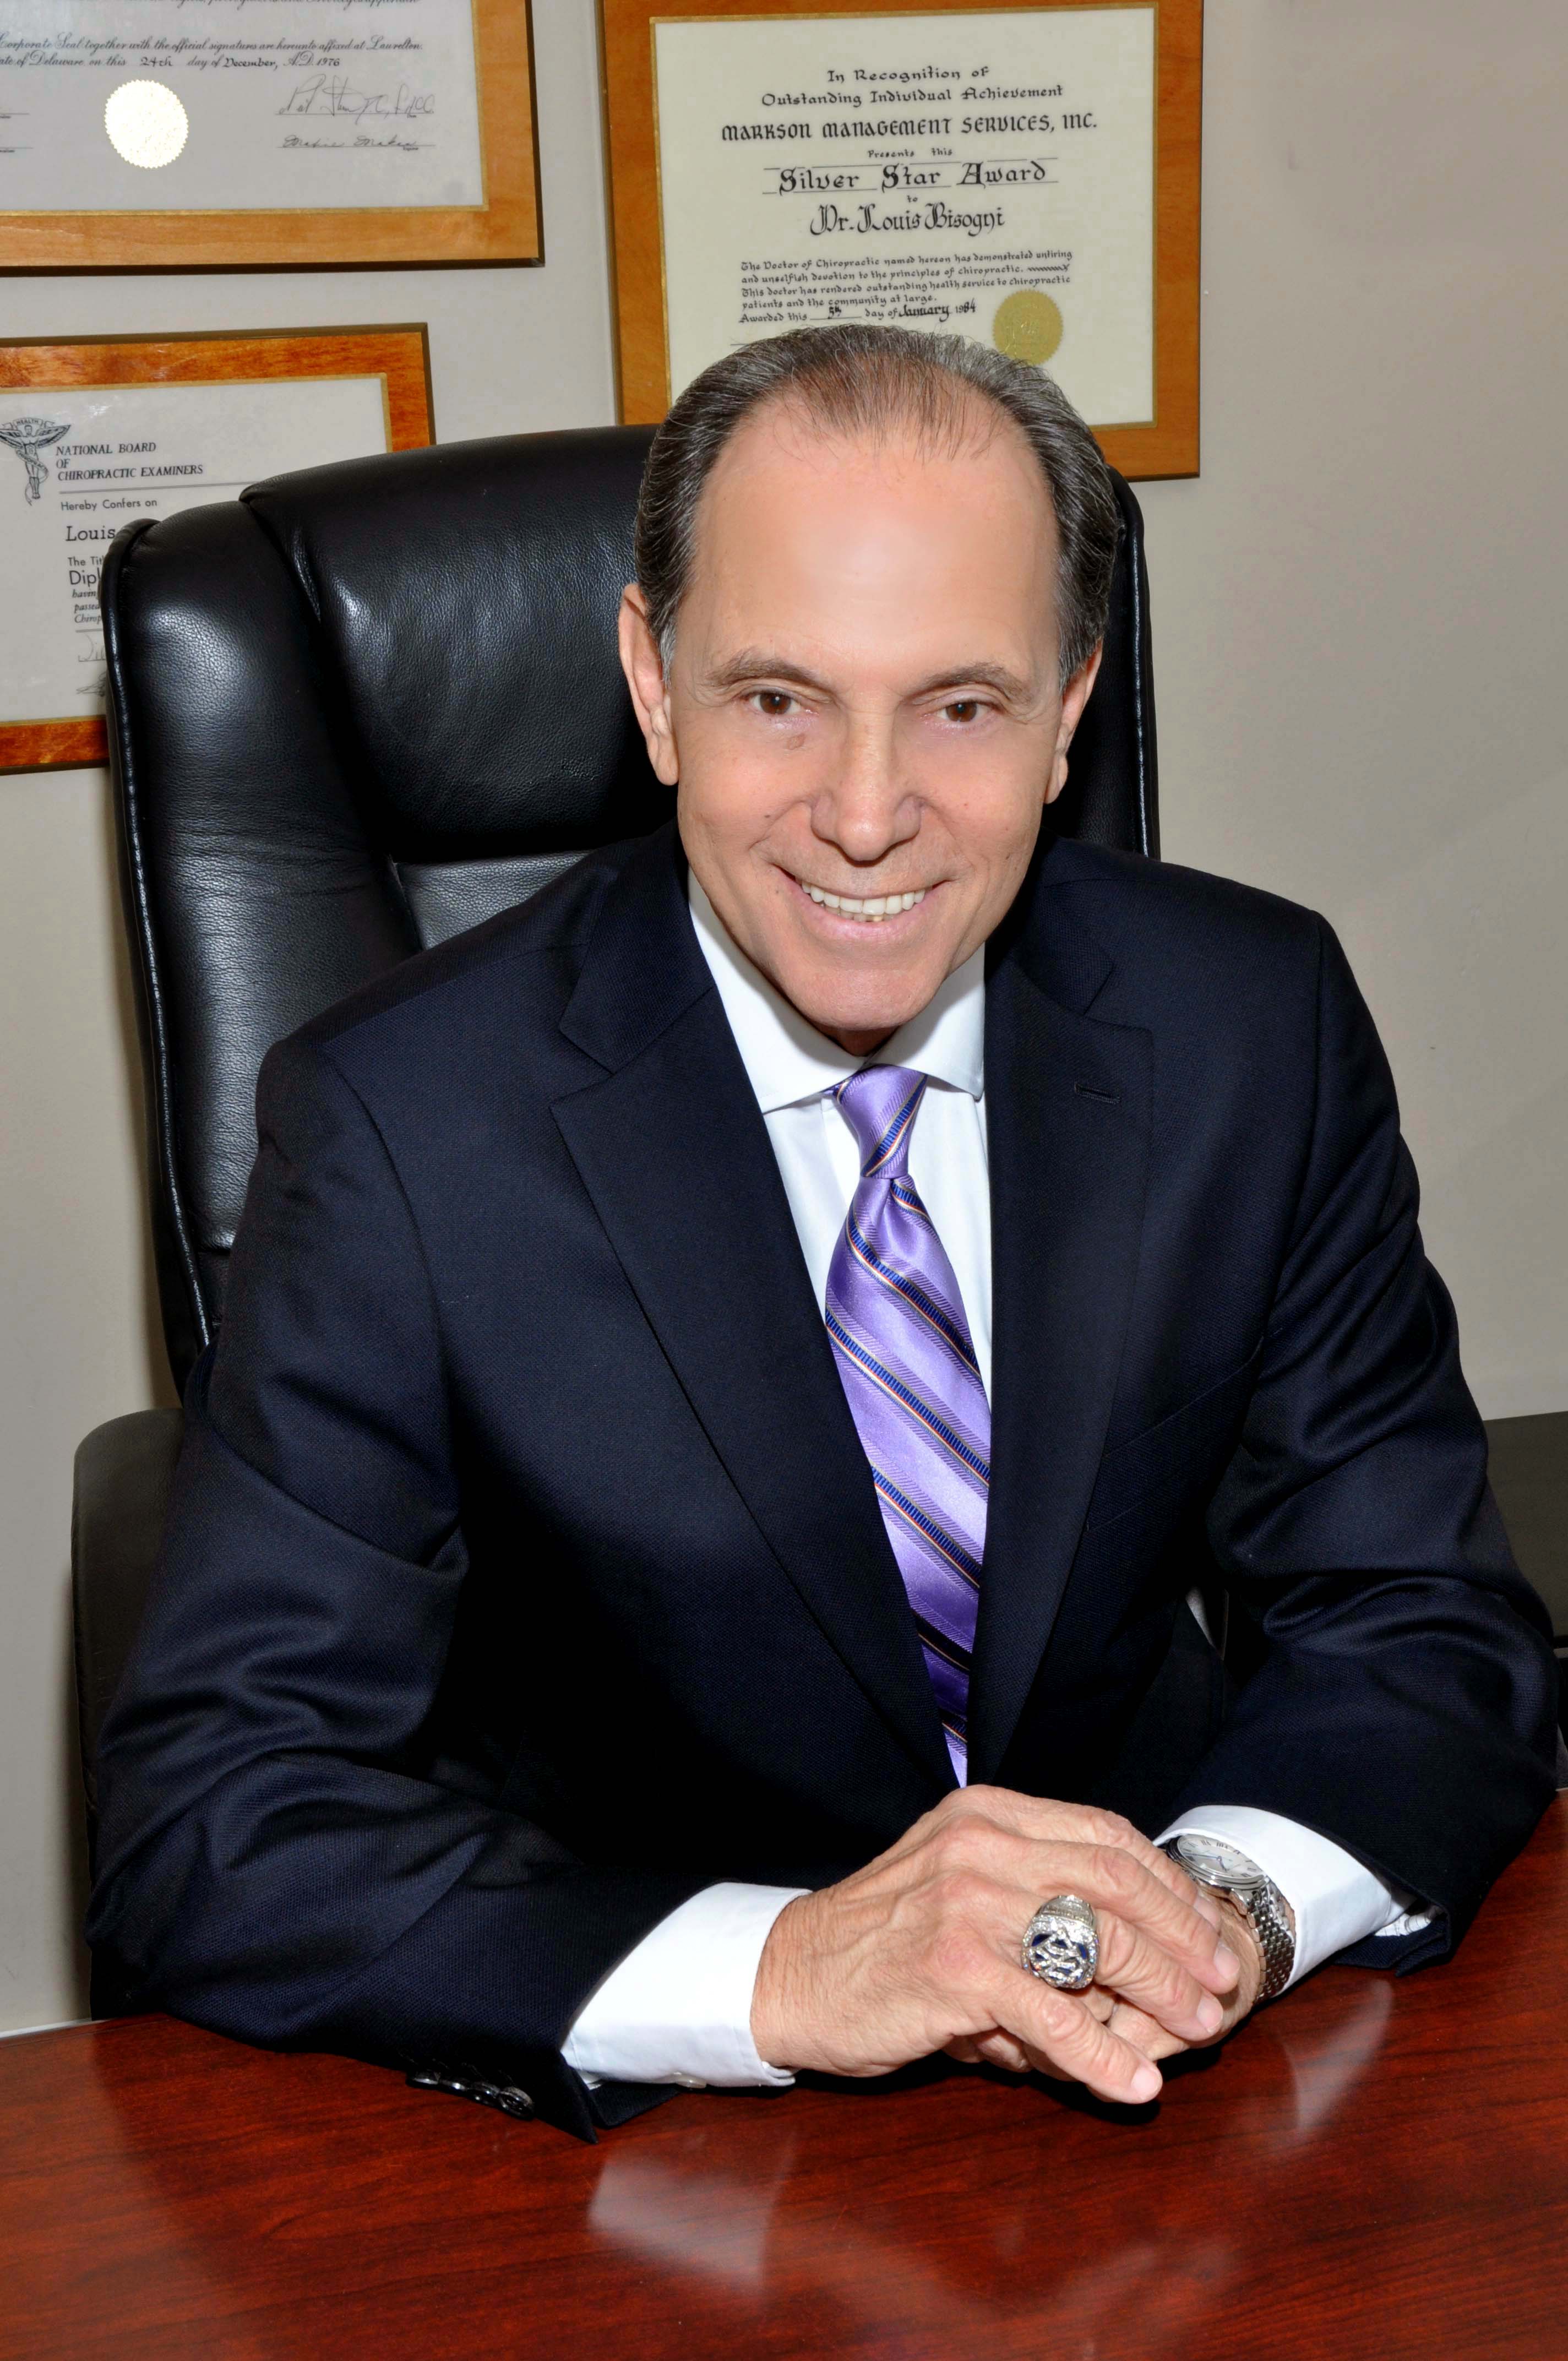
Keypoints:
pixel 352 713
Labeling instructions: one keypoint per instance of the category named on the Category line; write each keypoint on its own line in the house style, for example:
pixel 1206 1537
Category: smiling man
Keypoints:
pixel 732 1373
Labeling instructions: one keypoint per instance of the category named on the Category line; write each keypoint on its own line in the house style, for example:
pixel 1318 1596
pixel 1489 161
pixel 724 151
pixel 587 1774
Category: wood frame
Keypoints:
pixel 1168 446
pixel 504 228
pixel 400 355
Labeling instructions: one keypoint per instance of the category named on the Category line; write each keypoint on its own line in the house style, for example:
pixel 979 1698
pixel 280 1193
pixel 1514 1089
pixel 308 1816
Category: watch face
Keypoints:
pixel 1211 1858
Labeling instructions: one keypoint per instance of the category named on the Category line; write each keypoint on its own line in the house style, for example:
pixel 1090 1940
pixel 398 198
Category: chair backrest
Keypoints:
pixel 367 706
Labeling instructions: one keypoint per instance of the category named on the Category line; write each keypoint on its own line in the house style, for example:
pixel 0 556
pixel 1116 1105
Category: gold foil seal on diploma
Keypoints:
pixel 1028 326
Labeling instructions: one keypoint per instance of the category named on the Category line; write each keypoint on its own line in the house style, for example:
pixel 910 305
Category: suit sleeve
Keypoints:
pixel 280 1857
pixel 1403 1699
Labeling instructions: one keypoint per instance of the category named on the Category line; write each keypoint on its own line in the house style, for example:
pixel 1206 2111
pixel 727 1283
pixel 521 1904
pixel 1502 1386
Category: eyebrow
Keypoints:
pixel 757 663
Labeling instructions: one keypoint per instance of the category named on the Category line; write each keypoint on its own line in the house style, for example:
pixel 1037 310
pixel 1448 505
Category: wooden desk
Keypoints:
pixel 1372 2168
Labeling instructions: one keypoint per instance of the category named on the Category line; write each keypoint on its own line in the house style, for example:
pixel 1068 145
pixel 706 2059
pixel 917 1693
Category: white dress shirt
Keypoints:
pixel 677 2008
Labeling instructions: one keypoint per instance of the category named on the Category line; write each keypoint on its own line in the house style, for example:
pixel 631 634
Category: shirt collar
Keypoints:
pixel 786 1060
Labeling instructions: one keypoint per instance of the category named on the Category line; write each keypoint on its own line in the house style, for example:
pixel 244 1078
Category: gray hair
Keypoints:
pixel 858 380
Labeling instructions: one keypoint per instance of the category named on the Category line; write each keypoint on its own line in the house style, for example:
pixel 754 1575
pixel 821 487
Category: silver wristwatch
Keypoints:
pixel 1226 1869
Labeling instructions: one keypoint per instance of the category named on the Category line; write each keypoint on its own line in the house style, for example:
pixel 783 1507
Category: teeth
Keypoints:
pixel 872 910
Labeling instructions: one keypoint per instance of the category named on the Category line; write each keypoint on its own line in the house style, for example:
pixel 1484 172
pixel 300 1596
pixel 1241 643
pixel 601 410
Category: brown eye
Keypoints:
pixel 964 708
pixel 773 702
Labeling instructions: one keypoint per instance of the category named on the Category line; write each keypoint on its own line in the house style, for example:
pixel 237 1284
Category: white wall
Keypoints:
pixel 1360 626
pixel 1358 639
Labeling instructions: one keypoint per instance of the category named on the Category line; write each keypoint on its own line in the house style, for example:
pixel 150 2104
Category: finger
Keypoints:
pixel 1107 1861
pixel 999 2048
pixel 1047 1821
pixel 1137 1970
pixel 1170 1908
pixel 993 2049
pixel 1068 2037
pixel 1112 1882
pixel 965 2048
pixel 1131 2025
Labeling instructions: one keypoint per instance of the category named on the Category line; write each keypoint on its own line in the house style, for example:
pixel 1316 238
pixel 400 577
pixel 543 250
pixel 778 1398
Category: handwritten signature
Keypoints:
pixel 331 94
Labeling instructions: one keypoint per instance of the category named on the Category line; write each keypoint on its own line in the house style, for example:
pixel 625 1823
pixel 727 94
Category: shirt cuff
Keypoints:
pixel 1335 1899
pixel 678 2008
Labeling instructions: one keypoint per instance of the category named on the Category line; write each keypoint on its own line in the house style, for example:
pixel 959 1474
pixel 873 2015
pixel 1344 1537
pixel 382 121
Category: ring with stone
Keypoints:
pixel 1060 1943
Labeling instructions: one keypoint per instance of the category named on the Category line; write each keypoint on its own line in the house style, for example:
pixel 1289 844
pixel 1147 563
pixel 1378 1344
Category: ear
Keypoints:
pixel 640 662
pixel 1075 696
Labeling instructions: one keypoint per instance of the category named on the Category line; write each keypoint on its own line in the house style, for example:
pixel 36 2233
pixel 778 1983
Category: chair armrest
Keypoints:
pixel 1529 1468
pixel 125 1474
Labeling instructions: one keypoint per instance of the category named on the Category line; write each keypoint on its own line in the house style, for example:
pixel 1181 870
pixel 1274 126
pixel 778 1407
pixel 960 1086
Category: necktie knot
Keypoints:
pixel 880 1104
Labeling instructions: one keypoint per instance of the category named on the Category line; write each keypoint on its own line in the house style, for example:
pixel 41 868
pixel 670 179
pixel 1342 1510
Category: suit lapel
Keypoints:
pixel 673 1149
pixel 1067 1114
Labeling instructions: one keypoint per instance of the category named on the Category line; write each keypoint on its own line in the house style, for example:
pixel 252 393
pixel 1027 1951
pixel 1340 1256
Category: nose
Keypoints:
pixel 867 809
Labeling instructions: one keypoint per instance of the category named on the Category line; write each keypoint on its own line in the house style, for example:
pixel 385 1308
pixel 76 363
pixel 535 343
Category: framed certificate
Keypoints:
pixel 92 435
pixel 1025 174
pixel 238 134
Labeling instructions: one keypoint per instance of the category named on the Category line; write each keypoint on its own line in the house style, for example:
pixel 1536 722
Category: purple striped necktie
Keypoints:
pixel 902 1343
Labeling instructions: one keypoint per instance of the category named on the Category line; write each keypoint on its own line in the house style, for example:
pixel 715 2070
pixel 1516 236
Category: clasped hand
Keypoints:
pixel 920 1951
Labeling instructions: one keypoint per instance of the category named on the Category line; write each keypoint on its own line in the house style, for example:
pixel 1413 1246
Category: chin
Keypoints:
pixel 880 1017
pixel 838 995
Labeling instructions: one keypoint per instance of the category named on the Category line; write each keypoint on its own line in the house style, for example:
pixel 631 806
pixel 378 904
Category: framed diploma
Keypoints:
pixel 92 435
pixel 242 134
pixel 1025 174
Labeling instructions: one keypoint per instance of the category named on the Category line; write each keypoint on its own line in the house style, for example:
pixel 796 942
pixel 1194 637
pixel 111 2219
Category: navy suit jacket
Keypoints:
pixel 526 1574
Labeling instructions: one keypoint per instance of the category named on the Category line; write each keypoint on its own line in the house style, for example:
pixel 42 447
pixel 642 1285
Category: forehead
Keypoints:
pixel 893 530
pixel 975 444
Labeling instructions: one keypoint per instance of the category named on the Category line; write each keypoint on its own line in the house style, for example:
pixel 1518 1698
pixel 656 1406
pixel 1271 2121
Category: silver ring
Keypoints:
pixel 1060 1943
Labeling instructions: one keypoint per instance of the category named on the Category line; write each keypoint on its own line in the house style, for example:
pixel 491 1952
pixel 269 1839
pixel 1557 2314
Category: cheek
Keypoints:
pixel 738 782
pixel 989 786
pixel 732 807
pixel 997 831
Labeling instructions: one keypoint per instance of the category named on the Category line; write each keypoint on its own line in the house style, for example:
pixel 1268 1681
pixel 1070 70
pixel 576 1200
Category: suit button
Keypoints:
pixel 506 2096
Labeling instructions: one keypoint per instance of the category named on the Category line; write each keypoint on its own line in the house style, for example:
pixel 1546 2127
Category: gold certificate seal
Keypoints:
pixel 1028 326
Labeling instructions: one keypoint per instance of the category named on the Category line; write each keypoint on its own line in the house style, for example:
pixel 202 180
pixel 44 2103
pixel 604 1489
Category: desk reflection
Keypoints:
pixel 862 2261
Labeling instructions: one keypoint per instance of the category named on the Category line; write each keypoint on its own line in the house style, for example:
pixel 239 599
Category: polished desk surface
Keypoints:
pixel 1373 2168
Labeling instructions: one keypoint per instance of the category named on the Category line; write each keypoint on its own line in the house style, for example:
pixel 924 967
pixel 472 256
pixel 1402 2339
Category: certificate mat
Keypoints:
pixel 92 436
pixel 198 132
pixel 1024 174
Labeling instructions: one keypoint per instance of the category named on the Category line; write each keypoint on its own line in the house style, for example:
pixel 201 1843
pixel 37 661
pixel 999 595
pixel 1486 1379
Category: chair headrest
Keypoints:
pixel 466 599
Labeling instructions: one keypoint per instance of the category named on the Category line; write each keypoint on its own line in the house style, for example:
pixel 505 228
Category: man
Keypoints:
pixel 731 1371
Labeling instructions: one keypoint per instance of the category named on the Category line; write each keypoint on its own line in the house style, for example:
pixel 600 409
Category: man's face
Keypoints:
pixel 863 710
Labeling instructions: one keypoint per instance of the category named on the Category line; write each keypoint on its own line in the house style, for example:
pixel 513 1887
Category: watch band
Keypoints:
pixel 1261 1907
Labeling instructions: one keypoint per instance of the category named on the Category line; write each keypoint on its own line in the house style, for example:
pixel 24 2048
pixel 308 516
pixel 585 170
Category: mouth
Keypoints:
pixel 866 910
